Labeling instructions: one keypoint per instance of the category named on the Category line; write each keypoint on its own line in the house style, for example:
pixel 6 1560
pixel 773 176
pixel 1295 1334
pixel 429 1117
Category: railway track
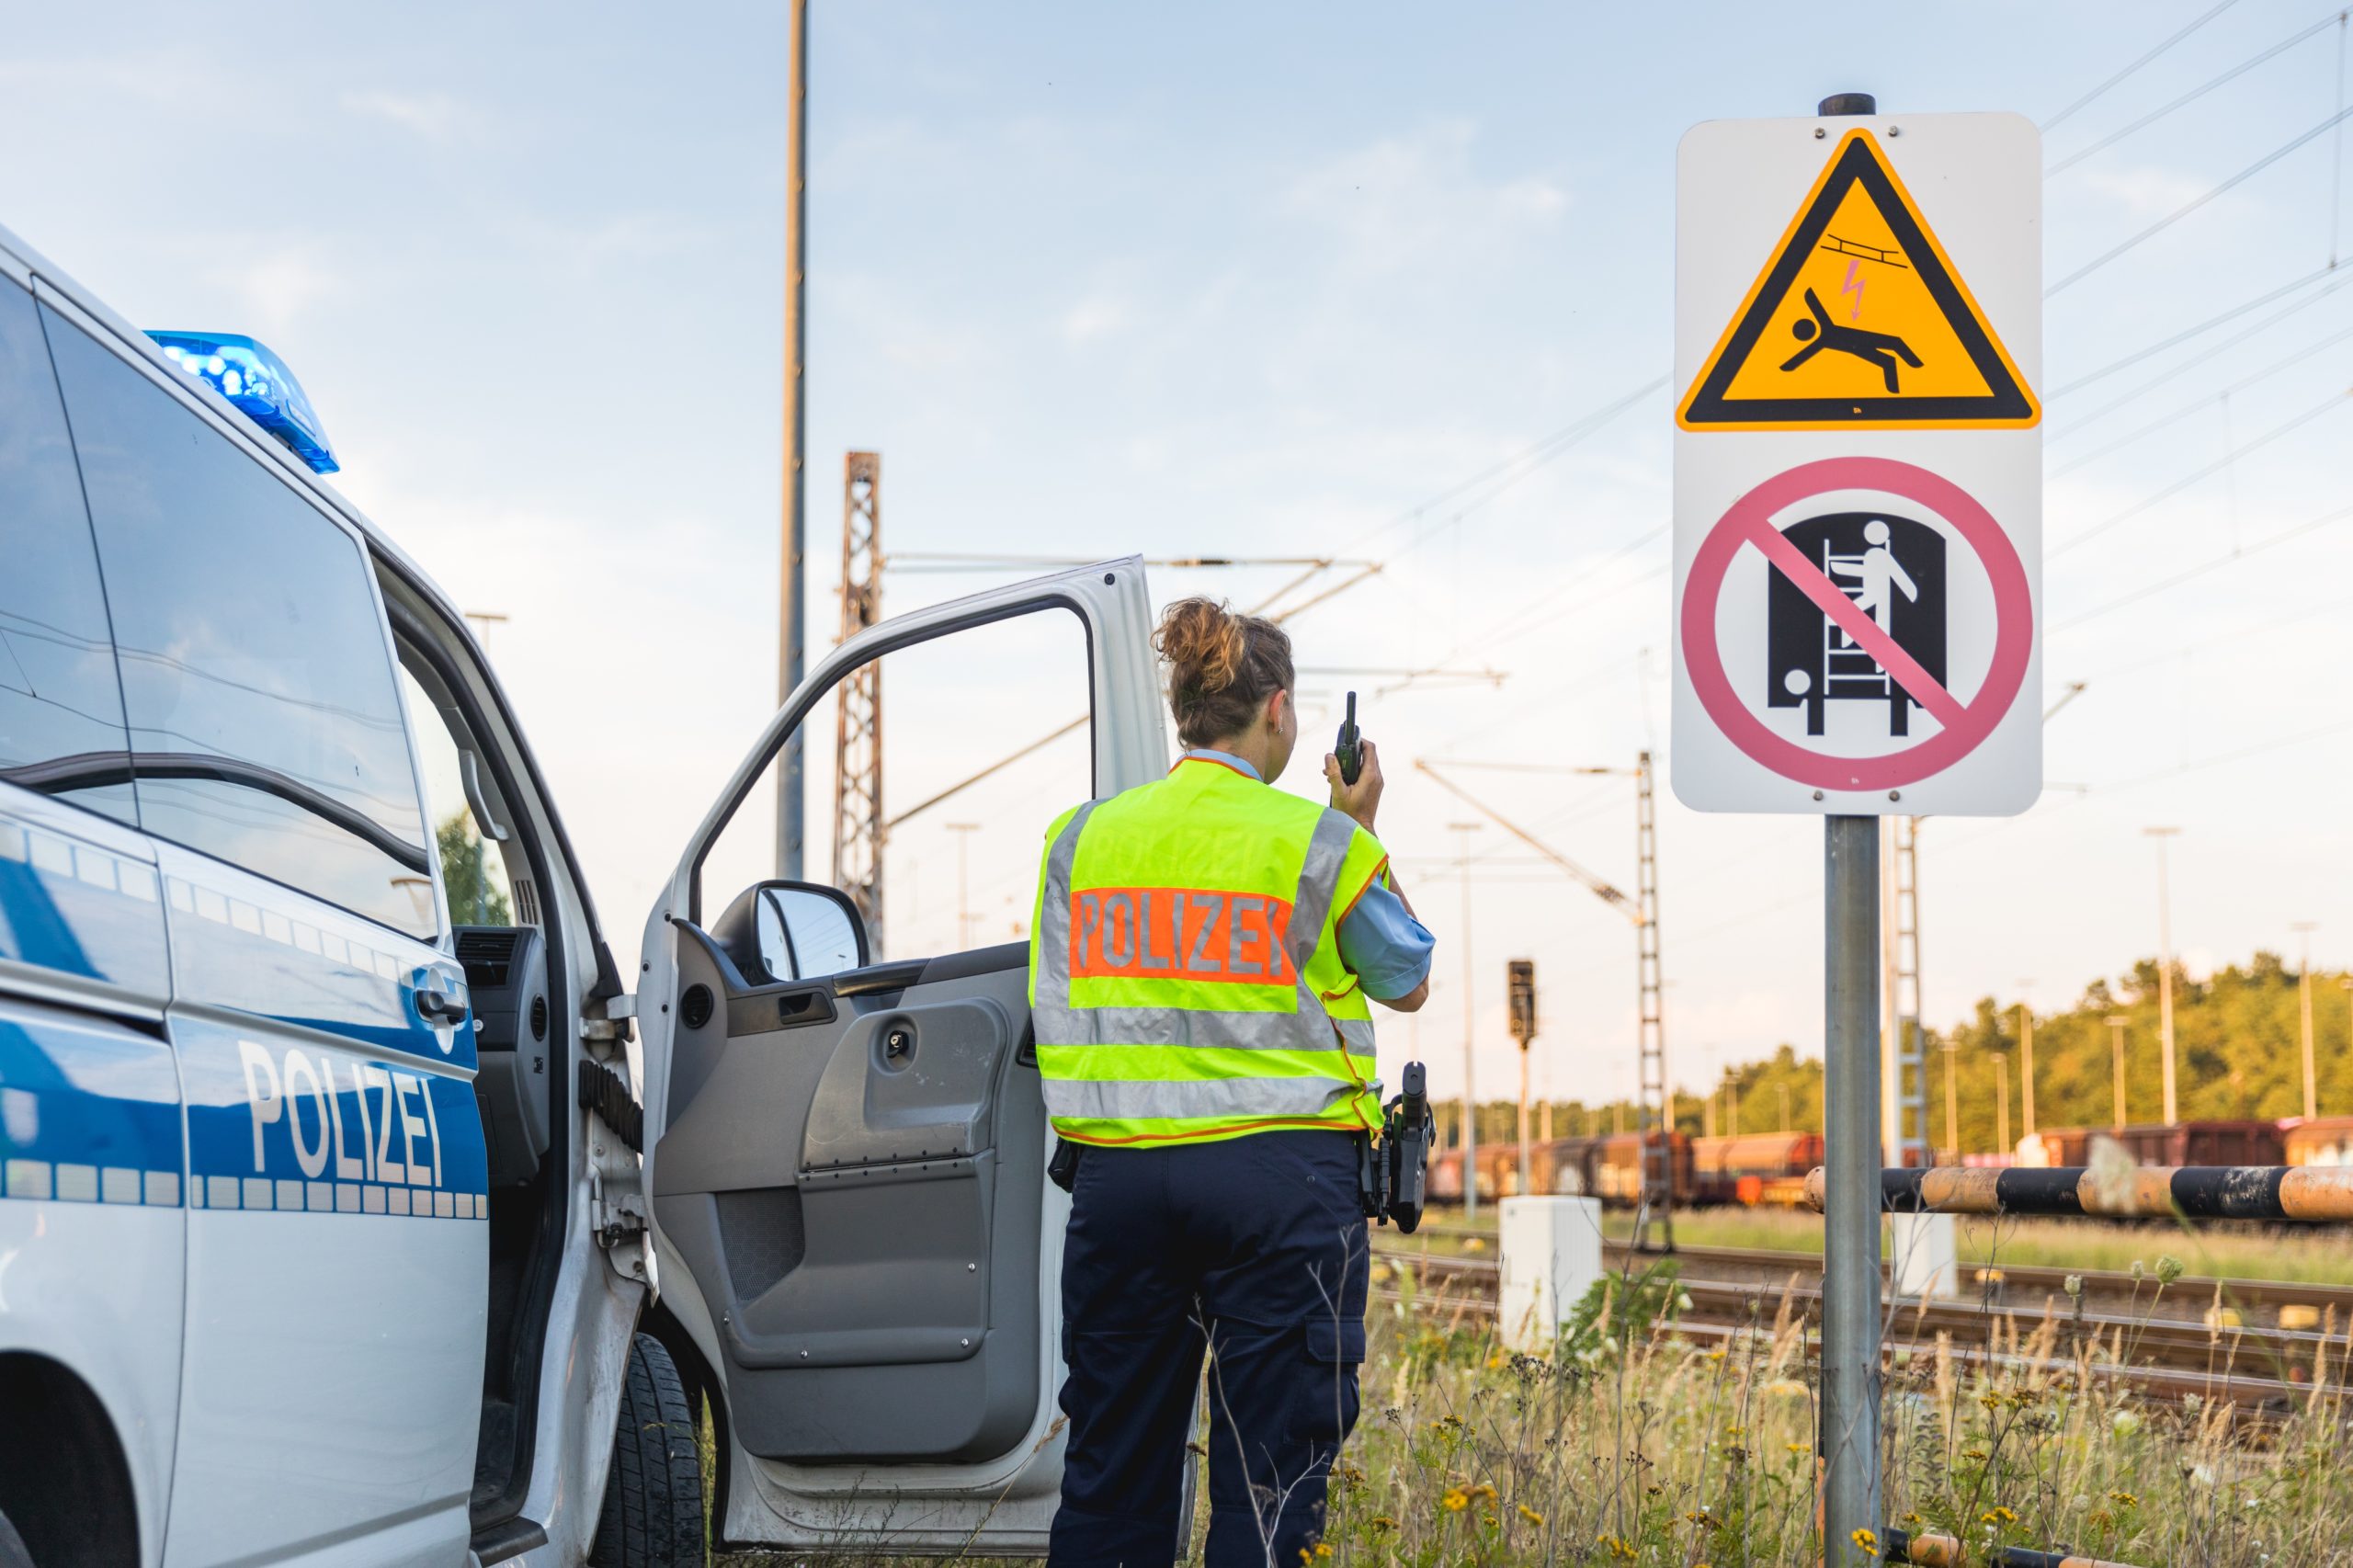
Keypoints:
pixel 2259 1371
pixel 2257 1303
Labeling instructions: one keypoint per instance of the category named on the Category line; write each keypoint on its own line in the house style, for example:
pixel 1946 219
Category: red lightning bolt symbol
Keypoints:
pixel 1854 285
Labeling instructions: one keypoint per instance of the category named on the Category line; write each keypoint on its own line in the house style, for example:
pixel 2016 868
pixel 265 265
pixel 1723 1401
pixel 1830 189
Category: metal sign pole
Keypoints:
pixel 1849 1441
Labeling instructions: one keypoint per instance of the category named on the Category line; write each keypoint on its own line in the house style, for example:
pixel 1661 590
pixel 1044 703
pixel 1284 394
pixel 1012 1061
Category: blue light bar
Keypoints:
pixel 258 383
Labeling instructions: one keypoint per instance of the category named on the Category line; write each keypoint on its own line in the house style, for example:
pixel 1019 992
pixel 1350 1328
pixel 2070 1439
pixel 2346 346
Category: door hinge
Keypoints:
pixel 619 1219
pixel 606 1094
pixel 614 1025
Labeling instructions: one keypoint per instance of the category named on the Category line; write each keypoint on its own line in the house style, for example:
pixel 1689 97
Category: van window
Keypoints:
pixel 258 683
pixel 61 712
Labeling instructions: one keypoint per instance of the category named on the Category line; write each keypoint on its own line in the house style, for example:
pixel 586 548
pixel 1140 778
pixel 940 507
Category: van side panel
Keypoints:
pixel 338 1257
pixel 92 1167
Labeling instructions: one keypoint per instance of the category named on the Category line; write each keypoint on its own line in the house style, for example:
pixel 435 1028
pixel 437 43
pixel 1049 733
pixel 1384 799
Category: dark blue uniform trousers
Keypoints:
pixel 1254 1251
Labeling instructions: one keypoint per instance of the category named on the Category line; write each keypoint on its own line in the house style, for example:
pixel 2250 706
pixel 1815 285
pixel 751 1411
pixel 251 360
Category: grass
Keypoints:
pixel 1629 1442
pixel 2303 1255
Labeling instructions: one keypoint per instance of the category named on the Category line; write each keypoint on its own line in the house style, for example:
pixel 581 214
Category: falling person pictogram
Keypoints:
pixel 1879 349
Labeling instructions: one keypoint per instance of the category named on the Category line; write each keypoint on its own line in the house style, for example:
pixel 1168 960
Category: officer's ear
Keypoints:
pixel 1278 703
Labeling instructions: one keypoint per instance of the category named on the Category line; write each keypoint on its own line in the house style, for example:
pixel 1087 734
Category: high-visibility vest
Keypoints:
pixel 1185 980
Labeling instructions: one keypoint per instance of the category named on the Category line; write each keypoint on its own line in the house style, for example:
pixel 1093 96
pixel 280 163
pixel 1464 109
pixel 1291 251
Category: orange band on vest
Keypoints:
pixel 1179 934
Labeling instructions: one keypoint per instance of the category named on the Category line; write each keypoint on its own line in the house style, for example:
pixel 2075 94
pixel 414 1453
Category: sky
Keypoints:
pixel 1226 279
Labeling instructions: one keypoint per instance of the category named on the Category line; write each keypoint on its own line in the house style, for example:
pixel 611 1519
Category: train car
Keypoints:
pixel 1617 1168
pixel 2317 1140
pixel 1744 1168
pixel 2056 1146
pixel 2233 1143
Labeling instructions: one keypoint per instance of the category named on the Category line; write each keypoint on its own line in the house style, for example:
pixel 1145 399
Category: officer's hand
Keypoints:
pixel 1361 798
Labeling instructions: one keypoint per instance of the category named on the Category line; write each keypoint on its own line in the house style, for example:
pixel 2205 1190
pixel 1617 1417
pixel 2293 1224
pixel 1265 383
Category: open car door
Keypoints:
pixel 845 1159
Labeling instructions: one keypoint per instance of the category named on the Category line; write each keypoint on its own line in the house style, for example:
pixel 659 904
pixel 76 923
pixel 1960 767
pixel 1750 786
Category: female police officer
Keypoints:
pixel 1198 969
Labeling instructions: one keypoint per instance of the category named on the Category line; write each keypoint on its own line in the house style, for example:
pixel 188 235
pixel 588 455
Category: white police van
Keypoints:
pixel 328 1211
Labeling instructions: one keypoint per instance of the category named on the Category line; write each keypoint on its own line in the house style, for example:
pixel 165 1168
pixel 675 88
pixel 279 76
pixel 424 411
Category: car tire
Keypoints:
pixel 653 1507
pixel 12 1547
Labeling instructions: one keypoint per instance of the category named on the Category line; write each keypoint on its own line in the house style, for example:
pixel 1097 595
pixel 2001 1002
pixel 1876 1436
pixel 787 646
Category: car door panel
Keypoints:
pixel 847 1179
pixel 864 1190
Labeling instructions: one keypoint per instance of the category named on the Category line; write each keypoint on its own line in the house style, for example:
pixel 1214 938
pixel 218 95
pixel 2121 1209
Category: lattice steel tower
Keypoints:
pixel 1658 1122
pixel 858 828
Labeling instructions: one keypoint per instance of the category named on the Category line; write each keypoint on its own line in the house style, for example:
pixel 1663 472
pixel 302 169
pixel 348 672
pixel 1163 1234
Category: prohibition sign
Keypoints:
pixel 1963 725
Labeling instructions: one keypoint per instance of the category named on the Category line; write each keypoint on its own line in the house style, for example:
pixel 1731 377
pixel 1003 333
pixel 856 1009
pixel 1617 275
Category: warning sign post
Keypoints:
pixel 1857 569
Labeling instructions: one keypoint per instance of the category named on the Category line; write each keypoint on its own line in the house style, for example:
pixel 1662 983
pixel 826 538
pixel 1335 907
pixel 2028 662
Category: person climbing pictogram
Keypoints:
pixel 1881 348
pixel 1877 571
pixel 1894 569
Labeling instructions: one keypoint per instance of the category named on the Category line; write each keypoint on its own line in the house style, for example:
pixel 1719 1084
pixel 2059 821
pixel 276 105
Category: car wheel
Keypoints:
pixel 652 1516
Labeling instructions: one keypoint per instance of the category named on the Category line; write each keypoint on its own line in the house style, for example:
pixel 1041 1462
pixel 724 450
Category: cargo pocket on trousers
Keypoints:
pixel 1335 1349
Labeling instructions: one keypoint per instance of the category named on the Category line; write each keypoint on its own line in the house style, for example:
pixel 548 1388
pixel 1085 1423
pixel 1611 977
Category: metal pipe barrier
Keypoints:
pixel 2309 1193
pixel 1944 1551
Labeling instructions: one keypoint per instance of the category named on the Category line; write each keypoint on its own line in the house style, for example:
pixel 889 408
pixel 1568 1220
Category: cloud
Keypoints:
pixel 276 287
pixel 1418 200
pixel 1097 316
pixel 437 116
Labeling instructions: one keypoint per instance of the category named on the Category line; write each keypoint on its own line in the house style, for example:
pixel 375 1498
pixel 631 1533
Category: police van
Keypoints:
pixel 357 1204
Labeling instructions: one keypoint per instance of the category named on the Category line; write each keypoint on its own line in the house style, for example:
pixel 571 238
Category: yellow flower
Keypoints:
pixel 1323 1549
pixel 1997 1516
pixel 1972 1453
pixel 1455 1500
pixel 2124 1499
pixel 1381 1522
pixel 1798 1448
pixel 1532 1515
pixel 1866 1542
pixel 1484 1490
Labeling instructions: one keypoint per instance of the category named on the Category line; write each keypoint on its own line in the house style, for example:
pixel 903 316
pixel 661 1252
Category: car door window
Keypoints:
pixel 59 704
pixel 265 725
pixel 984 740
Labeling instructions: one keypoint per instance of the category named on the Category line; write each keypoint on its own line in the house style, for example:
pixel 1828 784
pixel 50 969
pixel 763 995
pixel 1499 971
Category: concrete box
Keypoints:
pixel 1923 1255
pixel 1550 1255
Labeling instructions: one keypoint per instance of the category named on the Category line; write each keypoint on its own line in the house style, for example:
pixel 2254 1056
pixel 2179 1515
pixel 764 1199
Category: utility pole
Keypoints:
pixel 790 820
pixel 2002 1110
pixel 2305 929
pixel 1906 1121
pixel 859 830
pixel 2116 1022
pixel 963 832
pixel 1470 1038
pixel 2165 973
pixel 1952 1105
pixel 2026 1057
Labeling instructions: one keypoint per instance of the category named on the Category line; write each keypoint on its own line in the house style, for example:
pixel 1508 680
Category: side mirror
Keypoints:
pixel 807 931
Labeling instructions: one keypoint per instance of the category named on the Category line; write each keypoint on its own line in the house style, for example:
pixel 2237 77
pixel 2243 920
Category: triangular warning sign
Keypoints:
pixel 1858 323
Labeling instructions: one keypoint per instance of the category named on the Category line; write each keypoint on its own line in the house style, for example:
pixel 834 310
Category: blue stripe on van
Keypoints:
pixel 70 906
pixel 87 1112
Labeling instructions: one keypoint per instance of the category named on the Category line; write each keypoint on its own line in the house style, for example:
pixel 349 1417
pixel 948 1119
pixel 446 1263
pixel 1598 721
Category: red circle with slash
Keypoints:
pixel 1963 725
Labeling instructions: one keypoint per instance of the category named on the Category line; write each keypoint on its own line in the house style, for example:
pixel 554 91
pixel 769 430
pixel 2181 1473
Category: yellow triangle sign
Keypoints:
pixel 1858 323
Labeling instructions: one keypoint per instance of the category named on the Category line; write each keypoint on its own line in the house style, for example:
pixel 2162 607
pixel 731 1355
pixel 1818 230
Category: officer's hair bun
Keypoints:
pixel 1221 667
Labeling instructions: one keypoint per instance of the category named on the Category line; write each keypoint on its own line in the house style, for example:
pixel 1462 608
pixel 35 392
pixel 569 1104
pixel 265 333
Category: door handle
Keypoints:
pixel 439 1007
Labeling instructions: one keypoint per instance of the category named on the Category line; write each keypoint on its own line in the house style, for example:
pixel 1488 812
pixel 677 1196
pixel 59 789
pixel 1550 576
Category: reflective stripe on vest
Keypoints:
pixel 1245 1042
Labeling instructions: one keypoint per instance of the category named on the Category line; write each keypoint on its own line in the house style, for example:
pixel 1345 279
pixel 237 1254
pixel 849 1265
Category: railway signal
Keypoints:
pixel 1519 988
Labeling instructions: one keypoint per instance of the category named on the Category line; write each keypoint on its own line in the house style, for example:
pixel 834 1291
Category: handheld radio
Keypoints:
pixel 1349 748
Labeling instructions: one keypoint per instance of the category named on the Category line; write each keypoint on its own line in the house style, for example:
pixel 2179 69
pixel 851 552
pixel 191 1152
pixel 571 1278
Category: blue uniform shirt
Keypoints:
pixel 1384 947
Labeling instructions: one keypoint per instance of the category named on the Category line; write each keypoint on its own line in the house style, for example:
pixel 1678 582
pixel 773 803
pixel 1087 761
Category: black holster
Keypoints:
pixel 1063 1169
pixel 1393 1176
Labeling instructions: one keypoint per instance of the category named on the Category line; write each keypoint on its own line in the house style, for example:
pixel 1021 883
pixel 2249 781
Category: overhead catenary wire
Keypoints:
pixel 2105 88
pixel 2113 137
pixel 2198 329
pixel 2187 409
pixel 2151 384
pixel 2334 400
pixel 2137 595
pixel 2178 214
